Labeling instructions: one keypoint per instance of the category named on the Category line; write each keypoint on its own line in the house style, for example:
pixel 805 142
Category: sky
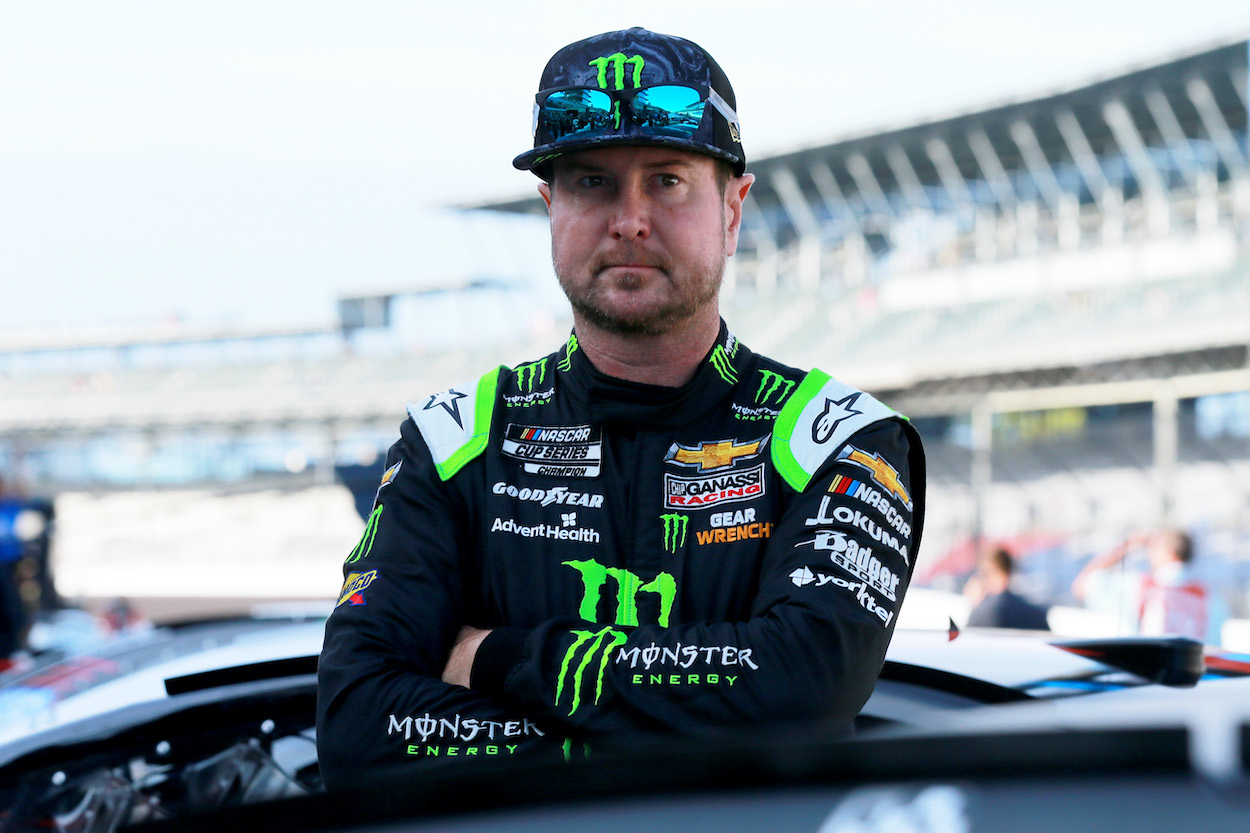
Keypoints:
pixel 249 162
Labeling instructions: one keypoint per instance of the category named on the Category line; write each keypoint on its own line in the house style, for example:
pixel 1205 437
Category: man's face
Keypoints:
pixel 639 235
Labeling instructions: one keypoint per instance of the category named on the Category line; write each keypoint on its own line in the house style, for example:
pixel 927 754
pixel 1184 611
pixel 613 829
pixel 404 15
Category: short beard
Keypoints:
pixel 663 319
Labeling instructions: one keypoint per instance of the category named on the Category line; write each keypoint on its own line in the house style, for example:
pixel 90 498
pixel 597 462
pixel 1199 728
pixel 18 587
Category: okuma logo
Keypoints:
pixel 675 526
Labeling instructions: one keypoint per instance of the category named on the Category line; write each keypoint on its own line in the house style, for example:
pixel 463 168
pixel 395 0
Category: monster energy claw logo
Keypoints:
pixel 675 525
pixel 566 363
pixel 618 62
pixel 770 383
pixel 365 544
pixel 720 361
pixel 590 646
pixel 531 375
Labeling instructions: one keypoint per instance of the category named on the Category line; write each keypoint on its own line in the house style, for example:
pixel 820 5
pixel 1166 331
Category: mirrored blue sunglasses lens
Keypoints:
pixel 671 110
pixel 566 112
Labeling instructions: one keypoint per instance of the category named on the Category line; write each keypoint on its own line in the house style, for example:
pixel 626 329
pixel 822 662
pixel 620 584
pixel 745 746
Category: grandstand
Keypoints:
pixel 1056 288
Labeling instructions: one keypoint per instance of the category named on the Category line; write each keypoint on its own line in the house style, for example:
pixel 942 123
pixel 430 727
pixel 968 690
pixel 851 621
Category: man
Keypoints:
pixel 995 605
pixel 651 530
pixel 1167 599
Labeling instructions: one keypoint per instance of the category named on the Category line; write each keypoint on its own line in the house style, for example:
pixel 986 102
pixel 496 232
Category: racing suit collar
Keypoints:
pixel 613 401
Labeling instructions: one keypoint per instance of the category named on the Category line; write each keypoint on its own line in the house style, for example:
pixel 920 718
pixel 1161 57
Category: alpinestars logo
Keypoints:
pixel 449 401
pixel 675 525
pixel 585 663
pixel 835 414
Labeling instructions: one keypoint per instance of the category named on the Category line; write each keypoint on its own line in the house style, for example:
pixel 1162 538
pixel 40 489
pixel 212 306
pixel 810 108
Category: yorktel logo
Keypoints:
pixel 558 495
pixel 675 526
pixel 713 489
pixel 563 451
pixel 805 576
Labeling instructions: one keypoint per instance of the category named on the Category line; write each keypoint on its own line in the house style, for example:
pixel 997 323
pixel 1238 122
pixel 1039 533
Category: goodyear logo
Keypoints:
pixel 713 456
pixel 882 472
pixel 354 588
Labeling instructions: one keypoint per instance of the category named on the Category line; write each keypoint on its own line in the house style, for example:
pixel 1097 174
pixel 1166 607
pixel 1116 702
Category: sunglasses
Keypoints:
pixel 665 110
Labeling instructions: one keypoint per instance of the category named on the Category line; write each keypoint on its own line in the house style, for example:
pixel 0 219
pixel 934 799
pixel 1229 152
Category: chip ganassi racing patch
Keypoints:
pixel 553 450
pixel 713 489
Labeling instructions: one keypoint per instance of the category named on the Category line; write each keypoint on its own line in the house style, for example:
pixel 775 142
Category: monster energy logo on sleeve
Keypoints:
pixel 595 649
pixel 618 62
pixel 770 383
pixel 675 525
pixel 720 361
pixel 366 540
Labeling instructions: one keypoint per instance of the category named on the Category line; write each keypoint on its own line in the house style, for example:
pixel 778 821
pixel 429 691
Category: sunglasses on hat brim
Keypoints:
pixel 674 110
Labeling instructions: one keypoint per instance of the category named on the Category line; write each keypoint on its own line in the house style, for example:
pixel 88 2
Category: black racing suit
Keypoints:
pixel 651 560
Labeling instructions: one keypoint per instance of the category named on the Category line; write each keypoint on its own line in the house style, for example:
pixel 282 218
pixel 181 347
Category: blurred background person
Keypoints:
pixel 994 604
pixel 1166 597
pixel 15 531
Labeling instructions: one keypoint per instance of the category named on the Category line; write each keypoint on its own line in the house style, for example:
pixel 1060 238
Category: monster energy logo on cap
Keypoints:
pixel 618 61
pixel 675 525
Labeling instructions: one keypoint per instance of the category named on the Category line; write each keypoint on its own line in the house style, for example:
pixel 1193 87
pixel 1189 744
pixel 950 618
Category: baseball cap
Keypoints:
pixel 633 87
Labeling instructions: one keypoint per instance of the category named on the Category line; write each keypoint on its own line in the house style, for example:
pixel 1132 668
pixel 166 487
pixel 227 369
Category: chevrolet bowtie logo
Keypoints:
pixel 882 472
pixel 715 455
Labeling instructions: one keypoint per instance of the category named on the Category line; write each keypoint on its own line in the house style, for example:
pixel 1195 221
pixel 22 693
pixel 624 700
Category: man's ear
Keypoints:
pixel 735 194
pixel 544 190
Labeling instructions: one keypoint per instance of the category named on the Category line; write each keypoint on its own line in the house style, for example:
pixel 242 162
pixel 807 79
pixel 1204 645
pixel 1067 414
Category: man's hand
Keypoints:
pixel 460 663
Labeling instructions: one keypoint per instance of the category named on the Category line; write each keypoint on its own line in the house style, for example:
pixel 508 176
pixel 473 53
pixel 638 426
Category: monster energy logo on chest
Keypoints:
pixel 770 383
pixel 675 525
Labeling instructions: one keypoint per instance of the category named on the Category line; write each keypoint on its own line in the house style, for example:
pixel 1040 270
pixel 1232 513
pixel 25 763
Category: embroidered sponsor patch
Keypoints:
pixel 354 588
pixel 713 489
pixel 713 456
pixel 882 472
pixel 555 451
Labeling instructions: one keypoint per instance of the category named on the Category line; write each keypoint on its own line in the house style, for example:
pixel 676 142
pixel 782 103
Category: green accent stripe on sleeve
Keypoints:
pixel 483 411
pixel 784 461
